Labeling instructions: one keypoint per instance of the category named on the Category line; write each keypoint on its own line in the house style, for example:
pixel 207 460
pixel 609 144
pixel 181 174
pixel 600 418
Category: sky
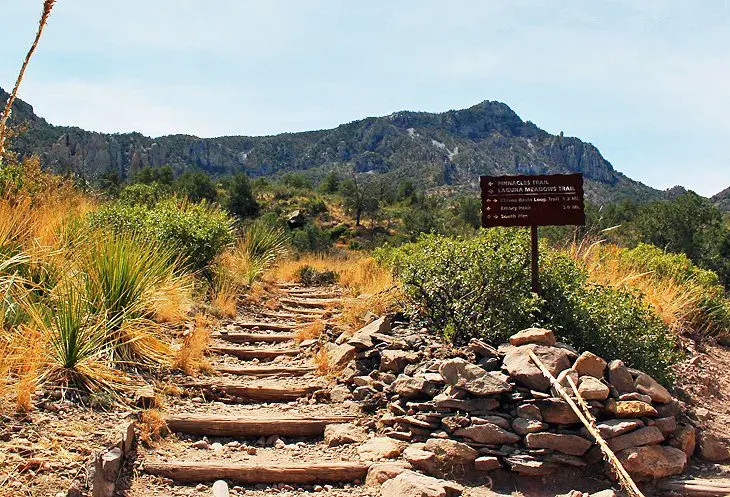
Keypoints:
pixel 647 82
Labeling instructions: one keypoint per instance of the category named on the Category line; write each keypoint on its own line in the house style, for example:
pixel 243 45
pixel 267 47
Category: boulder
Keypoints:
pixel 615 427
pixel 712 448
pixel 381 448
pixel 422 459
pixel 631 409
pixel 487 433
pixel 557 411
pixel 684 439
pixel 459 373
pixel 521 367
pixel 363 338
pixel 453 458
pixel 342 434
pixel 296 219
pixel 340 355
pixel 666 425
pixel 567 444
pixel 412 484
pixel 482 349
pixel 620 377
pixel 382 472
pixel 529 466
pixel 486 463
pixel 652 461
pixel 529 411
pixel 340 393
pixel 649 435
pixel 591 388
pixel 649 386
pixel 523 426
pixel 589 364
pixel 539 336
pixel 395 361
pixel 409 387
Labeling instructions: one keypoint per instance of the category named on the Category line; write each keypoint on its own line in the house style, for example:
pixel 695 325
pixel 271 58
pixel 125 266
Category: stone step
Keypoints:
pixel 255 337
pixel 264 371
pixel 266 472
pixel 270 392
pixel 248 353
pixel 242 426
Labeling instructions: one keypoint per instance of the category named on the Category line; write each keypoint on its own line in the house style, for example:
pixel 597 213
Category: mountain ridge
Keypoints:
pixel 447 149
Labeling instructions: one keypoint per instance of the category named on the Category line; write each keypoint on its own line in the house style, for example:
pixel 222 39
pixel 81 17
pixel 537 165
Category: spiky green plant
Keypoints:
pixel 255 252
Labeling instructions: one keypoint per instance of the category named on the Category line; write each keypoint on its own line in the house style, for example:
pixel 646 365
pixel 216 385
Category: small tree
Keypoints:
pixel 241 201
pixel 354 197
pixel 330 183
pixel 197 186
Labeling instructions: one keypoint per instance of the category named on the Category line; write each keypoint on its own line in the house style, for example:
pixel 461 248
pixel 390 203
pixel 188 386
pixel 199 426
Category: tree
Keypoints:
pixel 197 186
pixel 330 183
pixel 353 195
pixel 241 201
pixel 148 175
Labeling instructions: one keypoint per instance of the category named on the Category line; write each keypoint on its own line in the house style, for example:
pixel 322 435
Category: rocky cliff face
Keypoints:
pixel 450 148
pixel 722 200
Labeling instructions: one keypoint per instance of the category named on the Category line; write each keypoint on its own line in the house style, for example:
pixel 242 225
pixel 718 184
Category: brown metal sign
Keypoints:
pixel 541 200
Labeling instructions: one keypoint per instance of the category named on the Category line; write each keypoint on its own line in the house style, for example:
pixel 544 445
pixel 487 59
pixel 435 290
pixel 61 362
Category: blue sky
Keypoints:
pixel 647 82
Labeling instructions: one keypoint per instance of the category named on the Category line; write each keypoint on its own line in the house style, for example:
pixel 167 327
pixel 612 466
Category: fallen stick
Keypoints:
pixel 698 488
pixel 590 423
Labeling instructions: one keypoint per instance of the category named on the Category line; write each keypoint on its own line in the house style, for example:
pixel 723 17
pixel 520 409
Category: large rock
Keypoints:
pixel 417 387
pixel 631 409
pixel 567 444
pixel 529 466
pixel 521 367
pixel 590 364
pixel 412 484
pixel 620 377
pixel 382 472
pixel 487 433
pixel 459 373
pixel 539 336
pixel 557 411
pixel 685 439
pixel 615 427
pixel 341 434
pixel 340 355
pixel 591 388
pixel 649 386
pixel 395 361
pixel 381 448
pixel 454 458
pixel 652 461
pixel 486 463
pixel 523 426
pixel 482 349
pixel 363 338
pixel 649 435
pixel 712 448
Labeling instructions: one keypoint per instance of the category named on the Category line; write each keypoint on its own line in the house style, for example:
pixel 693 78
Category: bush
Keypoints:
pixel 311 239
pixel 307 275
pixel 241 201
pixel 480 287
pixel 199 231
pixel 144 194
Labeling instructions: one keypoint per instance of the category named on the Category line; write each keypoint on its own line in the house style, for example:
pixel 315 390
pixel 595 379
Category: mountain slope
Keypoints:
pixel 450 148
pixel 722 200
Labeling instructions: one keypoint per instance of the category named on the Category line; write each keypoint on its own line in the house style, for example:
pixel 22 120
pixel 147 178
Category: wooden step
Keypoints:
pixel 255 337
pixel 284 315
pixel 251 473
pixel 235 426
pixel 254 353
pixel 311 294
pixel 259 393
pixel 263 371
pixel 263 325
pixel 303 311
pixel 320 303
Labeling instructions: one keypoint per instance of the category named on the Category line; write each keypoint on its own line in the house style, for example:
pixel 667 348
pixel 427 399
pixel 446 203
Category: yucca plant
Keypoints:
pixel 254 253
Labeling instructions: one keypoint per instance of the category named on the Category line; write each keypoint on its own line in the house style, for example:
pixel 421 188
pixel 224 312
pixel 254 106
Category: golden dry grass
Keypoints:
pixel 173 300
pixel 310 331
pixel 322 363
pixel 224 296
pixel 190 358
pixel 151 426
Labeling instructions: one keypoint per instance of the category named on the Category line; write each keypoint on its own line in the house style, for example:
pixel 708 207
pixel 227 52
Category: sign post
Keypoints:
pixel 540 200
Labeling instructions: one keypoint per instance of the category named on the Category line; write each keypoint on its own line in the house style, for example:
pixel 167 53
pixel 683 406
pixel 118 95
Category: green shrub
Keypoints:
pixel 199 231
pixel 480 287
pixel 307 275
pixel 311 239
pixel 144 194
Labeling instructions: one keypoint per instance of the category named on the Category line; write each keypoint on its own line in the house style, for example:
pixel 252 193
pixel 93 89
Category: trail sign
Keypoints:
pixel 544 200
pixel 540 200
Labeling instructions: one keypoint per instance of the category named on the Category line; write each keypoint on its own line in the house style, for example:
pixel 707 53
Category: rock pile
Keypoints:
pixel 481 408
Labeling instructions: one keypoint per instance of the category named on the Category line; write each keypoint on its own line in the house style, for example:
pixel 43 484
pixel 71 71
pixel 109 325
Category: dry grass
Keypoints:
pixel 224 296
pixel 322 363
pixel 152 426
pixel 172 301
pixel 310 331
pixel 190 358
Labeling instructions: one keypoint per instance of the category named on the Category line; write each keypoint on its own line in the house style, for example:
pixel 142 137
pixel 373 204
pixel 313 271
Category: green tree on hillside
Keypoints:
pixel 148 175
pixel 241 201
pixel 197 186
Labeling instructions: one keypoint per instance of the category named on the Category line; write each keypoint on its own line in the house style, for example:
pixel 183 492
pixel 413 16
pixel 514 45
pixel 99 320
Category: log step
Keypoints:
pixel 230 426
pixel 248 473
pixel 266 326
pixel 304 312
pixel 262 371
pixel 311 294
pixel 285 315
pixel 310 302
pixel 257 393
pixel 255 337
pixel 254 353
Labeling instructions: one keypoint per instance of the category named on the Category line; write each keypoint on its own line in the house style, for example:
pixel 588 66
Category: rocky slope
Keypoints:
pixel 722 200
pixel 450 148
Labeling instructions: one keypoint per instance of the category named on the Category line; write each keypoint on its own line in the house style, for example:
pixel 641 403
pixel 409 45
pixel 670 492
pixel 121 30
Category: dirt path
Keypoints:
pixel 257 421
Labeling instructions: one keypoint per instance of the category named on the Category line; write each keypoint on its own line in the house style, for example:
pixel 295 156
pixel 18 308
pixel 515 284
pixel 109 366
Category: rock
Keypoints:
pixel 567 444
pixel 684 439
pixel 340 393
pixel 631 409
pixel 296 219
pixel 144 397
pixel 524 426
pixel 620 377
pixel 666 425
pixel 589 364
pixel 635 396
pixel 486 463
pixel 530 467
pixel 563 381
pixel 341 434
pixel 521 367
pixel 609 492
pixel 220 489
pixel 615 427
pixel 381 448
pixel 711 448
pixel 557 411
pixel 487 433
pixel 652 461
pixel 495 420
pixel 470 405
pixel 591 388
pixel 452 458
pixel 412 484
pixel 649 386
pixel 363 338
pixel 340 355
pixel 422 459
pixel 459 373
pixel 453 423
pixel 395 361
pixel 409 387
pixel 216 447
pixel 201 444
pixel 382 472
pixel 539 336
pixel 482 349
pixel 648 435
pixel 529 411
